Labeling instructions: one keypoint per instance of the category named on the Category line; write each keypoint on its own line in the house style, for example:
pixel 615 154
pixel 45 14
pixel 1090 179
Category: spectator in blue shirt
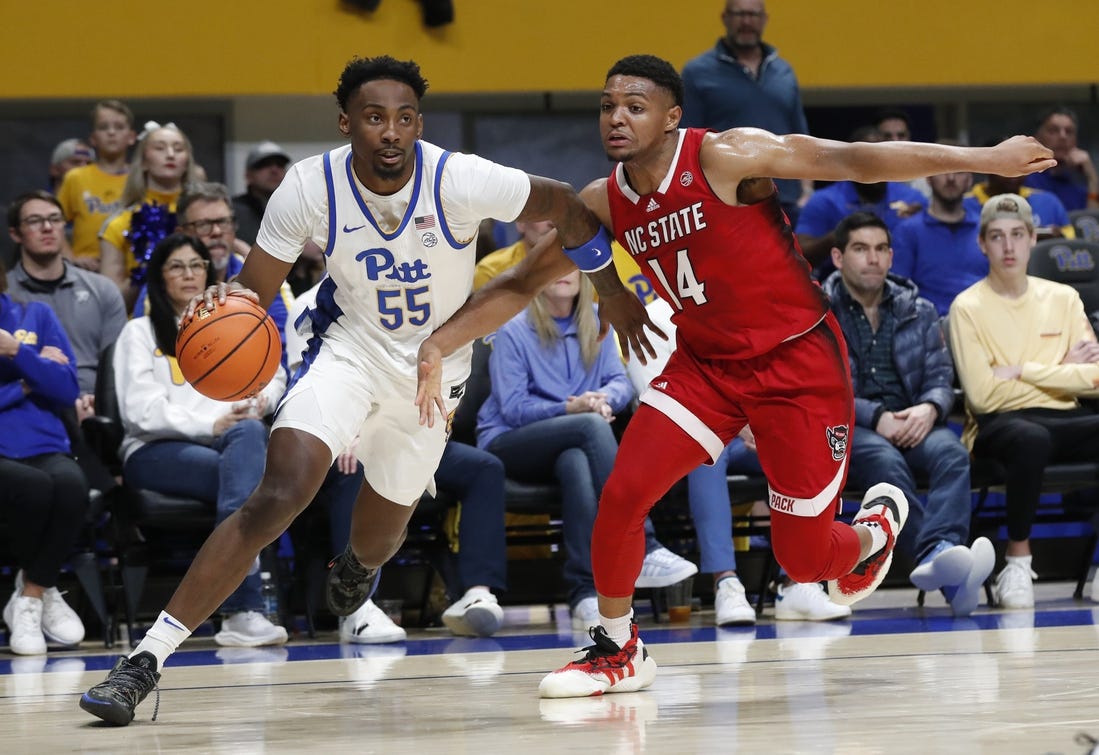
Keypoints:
pixel 556 389
pixel 43 493
pixel 742 81
pixel 937 247
pixel 1074 180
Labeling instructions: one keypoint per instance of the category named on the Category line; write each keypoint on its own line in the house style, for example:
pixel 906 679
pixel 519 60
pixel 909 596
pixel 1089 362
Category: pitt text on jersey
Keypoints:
pixel 397 306
pixel 665 229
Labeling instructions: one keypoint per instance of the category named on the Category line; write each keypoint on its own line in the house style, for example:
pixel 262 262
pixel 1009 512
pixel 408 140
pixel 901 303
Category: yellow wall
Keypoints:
pixel 242 47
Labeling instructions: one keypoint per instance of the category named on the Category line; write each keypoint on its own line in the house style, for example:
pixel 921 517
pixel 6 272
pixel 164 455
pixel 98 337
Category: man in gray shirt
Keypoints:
pixel 89 306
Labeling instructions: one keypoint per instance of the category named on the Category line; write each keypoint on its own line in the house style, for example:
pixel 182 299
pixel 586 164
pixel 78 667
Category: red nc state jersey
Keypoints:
pixel 735 276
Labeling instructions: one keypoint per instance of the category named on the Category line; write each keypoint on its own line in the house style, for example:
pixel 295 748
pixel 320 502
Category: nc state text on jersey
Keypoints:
pixel 665 229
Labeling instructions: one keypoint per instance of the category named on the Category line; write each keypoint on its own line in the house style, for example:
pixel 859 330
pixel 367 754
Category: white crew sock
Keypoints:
pixel 618 629
pixel 1023 561
pixel 162 639
pixel 877 535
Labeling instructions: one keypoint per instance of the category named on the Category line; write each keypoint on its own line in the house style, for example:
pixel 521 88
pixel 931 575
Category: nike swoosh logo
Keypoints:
pixel 352 230
pixel 879 501
pixel 171 623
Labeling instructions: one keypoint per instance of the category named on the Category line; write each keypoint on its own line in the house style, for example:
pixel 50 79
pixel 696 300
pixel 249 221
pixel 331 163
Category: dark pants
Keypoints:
pixel 1025 442
pixel 45 499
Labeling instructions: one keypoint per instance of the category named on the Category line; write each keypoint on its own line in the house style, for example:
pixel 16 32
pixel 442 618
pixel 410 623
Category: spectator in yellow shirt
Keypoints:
pixel 162 164
pixel 92 193
pixel 1025 354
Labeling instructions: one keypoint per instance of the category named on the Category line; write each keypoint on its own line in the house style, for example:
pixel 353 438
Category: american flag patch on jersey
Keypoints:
pixel 425 222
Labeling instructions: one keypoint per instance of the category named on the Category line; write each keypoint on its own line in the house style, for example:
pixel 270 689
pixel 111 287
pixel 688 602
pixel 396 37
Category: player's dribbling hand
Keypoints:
pixel 628 316
pixel 429 376
pixel 1022 155
pixel 217 293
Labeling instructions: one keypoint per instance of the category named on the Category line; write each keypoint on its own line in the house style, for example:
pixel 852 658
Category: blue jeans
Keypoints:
pixel 708 496
pixel 943 458
pixel 577 451
pixel 225 472
pixel 476 478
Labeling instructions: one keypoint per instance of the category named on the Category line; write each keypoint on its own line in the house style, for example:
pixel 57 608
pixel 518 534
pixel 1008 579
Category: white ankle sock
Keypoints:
pixel 618 629
pixel 162 639
pixel 878 538
pixel 1023 561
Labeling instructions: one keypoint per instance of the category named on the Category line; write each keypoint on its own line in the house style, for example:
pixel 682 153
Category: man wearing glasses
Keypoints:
pixel 205 211
pixel 742 81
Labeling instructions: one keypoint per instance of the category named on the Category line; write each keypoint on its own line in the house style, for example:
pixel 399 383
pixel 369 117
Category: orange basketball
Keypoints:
pixel 229 352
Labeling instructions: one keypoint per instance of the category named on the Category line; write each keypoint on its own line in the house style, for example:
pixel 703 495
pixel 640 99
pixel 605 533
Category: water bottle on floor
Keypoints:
pixel 269 591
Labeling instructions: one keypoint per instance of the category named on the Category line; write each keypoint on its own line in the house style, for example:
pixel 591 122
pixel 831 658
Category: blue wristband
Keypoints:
pixel 594 254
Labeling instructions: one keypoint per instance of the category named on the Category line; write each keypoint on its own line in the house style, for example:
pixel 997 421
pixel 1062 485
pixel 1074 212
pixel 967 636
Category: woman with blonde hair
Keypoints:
pixel 162 164
pixel 556 388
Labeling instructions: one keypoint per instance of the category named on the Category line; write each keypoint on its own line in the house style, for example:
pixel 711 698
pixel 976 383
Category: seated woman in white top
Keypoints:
pixel 179 442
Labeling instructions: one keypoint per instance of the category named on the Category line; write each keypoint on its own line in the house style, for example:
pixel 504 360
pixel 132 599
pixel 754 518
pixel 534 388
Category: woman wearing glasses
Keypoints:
pixel 179 442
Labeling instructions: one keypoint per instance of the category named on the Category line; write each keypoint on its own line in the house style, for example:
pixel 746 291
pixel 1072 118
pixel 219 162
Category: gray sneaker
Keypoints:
pixel 349 584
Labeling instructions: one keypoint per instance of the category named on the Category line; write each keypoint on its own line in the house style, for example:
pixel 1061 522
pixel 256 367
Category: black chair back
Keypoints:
pixel 1086 223
pixel 1072 262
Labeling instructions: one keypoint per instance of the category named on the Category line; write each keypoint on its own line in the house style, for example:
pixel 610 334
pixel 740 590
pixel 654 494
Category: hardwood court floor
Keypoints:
pixel 893 679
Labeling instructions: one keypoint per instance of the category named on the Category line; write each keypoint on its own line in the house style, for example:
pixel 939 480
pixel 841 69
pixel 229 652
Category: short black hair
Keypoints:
pixel 1049 112
pixel 657 70
pixel 361 70
pixel 889 113
pixel 856 221
pixel 15 209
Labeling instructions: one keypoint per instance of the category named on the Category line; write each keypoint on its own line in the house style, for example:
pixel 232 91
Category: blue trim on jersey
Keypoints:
pixel 411 202
pixel 323 313
pixel 439 204
pixel 331 190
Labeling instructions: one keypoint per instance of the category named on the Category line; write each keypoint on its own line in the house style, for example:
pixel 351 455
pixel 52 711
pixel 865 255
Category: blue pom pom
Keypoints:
pixel 150 224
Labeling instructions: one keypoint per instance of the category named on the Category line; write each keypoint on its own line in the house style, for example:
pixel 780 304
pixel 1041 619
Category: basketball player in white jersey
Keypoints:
pixel 397 218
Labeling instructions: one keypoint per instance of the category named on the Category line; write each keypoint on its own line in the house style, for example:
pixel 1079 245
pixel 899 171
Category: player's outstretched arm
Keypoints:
pixel 734 155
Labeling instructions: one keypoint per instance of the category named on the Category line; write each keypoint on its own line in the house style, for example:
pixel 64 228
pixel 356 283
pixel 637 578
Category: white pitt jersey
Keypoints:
pixel 388 289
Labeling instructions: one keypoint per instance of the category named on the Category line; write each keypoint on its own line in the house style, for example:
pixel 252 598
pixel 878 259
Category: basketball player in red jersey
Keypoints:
pixel 699 213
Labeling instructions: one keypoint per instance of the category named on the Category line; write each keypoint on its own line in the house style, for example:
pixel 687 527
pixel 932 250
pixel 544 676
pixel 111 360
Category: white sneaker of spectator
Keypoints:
pixel 25 626
pixel 249 629
pixel 662 568
pixel 1014 587
pixel 477 614
pixel 60 624
pixel 585 614
pixel 731 606
pixel 370 626
pixel 807 602
pixel 9 607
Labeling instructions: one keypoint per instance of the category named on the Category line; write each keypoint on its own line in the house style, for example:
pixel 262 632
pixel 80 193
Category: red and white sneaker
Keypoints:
pixel 604 668
pixel 884 506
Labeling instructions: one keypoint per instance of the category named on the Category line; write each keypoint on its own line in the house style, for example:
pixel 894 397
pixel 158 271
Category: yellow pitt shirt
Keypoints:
pixel 88 196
